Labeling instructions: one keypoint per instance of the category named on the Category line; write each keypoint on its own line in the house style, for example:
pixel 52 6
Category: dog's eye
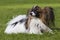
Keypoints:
pixel 37 10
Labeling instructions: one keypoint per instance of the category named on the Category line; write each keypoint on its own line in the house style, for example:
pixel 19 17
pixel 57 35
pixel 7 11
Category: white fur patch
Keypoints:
pixel 18 28
pixel 33 13
pixel 17 18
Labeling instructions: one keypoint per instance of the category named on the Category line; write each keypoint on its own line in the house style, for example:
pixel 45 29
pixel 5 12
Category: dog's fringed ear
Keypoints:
pixel 51 17
pixel 35 6
pixel 48 8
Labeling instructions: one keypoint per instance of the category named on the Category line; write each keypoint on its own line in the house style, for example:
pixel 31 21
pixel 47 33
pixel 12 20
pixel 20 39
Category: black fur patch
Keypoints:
pixel 21 21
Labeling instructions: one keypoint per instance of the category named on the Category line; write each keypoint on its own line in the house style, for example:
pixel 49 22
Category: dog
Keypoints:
pixel 31 24
pixel 17 25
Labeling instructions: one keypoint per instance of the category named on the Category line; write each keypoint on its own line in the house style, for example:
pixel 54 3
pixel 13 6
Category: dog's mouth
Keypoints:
pixel 32 14
pixel 35 14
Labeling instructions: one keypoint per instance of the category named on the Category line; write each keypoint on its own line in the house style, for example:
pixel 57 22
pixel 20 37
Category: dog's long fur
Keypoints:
pixel 48 16
pixel 36 26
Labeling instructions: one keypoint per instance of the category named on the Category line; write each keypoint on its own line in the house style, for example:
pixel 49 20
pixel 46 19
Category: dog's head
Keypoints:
pixel 35 11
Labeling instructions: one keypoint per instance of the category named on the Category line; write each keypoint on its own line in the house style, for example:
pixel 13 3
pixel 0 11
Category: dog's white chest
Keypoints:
pixel 34 29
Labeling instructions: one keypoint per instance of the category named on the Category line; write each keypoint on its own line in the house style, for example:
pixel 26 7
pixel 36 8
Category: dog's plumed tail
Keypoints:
pixel 16 25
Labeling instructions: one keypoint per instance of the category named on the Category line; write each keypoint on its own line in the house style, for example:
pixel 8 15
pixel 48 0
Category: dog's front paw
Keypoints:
pixel 41 33
pixel 51 32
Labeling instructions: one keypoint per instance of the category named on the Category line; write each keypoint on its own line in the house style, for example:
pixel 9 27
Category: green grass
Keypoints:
pixel 28 1
pixel 10 8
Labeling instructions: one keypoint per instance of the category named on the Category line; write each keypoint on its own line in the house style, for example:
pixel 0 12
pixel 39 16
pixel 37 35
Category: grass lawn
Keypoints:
pixel 7 11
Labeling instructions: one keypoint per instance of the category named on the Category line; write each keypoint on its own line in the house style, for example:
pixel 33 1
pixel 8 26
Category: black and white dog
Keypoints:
pixel 35 24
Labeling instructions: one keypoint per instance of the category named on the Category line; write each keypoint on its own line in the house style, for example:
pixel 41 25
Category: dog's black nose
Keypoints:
pixel 31 14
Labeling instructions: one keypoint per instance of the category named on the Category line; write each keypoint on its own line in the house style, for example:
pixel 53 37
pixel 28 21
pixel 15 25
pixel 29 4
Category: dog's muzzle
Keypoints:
pixel 32 14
